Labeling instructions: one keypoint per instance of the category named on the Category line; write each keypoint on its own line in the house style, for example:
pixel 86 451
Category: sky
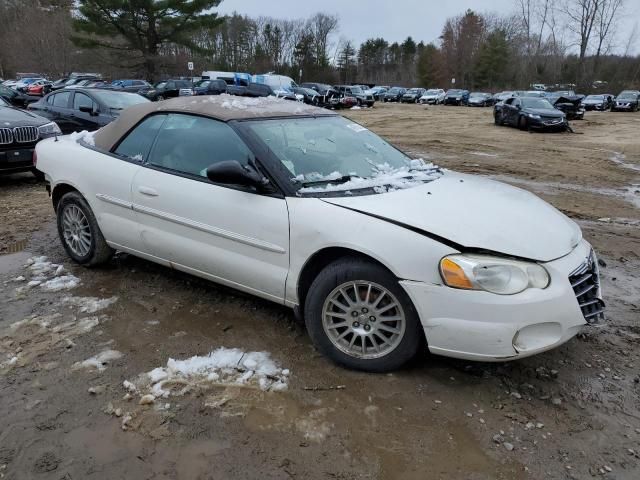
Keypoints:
pixel 394 20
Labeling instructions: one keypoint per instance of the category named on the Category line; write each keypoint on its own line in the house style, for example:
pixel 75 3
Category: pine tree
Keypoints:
pixel 140 28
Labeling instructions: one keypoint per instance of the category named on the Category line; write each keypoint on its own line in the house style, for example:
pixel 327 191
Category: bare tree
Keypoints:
pixel 581 16
pixel 605 18
pixel 322 26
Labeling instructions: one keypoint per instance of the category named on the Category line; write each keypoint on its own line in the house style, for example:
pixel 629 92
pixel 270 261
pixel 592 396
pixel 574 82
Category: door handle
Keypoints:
pixel 149 192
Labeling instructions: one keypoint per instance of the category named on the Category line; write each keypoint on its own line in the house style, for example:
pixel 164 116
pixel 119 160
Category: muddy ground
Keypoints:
pixel 570 413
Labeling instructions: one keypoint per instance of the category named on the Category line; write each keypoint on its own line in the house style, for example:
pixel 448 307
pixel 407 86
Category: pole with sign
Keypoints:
pixel 190 68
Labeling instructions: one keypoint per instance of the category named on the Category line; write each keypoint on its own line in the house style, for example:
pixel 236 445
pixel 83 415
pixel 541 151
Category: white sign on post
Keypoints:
pixel 190 66
pixel 453 81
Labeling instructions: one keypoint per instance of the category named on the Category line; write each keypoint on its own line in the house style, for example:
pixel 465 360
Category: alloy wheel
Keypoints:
pixel 76 230
pixel 363 319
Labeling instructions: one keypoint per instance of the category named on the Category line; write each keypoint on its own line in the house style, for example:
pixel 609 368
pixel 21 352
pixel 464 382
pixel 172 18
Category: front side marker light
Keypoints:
pixel 454 275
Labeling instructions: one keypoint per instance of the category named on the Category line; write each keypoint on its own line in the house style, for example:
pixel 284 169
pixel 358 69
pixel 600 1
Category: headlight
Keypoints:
pixel 492 274
pixel 49 129
pixel 535 117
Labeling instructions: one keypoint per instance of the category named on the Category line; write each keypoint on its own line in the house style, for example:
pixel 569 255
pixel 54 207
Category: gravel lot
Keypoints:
pixel 570 413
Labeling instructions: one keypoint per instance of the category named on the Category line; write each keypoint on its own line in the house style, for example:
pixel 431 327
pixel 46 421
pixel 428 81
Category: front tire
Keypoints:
pixel 79 231
pixel 359 316
pixel 523 124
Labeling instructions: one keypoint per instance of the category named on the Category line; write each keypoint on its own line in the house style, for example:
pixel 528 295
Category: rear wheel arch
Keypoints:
pixel 59 191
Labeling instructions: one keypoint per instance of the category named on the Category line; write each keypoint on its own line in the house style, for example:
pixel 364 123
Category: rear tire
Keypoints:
pixel 371 339
pixel 79 232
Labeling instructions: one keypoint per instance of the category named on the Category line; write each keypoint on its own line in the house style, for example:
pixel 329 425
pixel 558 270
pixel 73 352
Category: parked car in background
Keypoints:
pixel 530 113
pixel 456 96
pixel 502 96
pixel 394 94
pixel 376 92
pixel 325 92
pixel 15 98
pixel 23 84
pixel 571 105
pixel 74 80
pixel 480 99
pixel 433 96
pixel 80 109
pixel 626 101
pixel 39 88
pixel 210 87
pixel 309 95
pixel 412 95
pixel 190 187
pixel 364 99
pixel 264 90
pixel 167 89
pixel 600 102
pixel 19 132
pixel 133 86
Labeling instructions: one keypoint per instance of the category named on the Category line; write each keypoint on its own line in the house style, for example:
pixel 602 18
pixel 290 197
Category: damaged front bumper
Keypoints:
pixel 475 325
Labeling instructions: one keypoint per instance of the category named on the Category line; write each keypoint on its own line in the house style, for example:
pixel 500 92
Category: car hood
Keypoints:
pixel 547 112
pixel 592 101
pixel 473 213
pixel 11 117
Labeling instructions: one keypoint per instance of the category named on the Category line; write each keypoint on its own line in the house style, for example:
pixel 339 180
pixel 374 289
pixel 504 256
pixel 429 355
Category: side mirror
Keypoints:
pixel 88 109
pixel 230 172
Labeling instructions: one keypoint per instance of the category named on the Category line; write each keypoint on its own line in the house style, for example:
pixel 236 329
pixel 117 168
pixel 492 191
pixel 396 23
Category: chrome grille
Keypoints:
pixel 25 134
pixel 6 136
pixel 585 281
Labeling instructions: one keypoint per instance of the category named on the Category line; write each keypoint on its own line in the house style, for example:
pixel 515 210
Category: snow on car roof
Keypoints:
pixel 221 107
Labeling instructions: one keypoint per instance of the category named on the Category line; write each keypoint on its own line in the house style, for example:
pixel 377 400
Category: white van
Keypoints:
pixel 279 83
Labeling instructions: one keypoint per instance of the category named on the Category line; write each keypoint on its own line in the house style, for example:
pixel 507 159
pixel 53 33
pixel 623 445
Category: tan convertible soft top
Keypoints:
pixel 221 107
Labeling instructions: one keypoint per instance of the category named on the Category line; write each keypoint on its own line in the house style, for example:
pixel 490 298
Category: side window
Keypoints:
pixel 190 144
pixel 170 85
pixel 138 142
pixel 516 102
pixel 82 100
pixel 61 99
pixel 50 99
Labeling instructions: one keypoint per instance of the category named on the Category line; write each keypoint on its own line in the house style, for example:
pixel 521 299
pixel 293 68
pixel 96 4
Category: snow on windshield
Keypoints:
pixel 384 179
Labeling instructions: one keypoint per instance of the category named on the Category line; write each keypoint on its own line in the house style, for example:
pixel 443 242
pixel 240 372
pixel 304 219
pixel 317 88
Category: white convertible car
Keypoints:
pixel 380 253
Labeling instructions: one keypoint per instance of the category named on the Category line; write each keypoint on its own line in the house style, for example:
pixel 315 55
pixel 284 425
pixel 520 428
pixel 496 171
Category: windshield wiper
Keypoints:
pixel 338 180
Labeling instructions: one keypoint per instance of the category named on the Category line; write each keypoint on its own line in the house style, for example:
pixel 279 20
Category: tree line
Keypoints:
pixel 541 41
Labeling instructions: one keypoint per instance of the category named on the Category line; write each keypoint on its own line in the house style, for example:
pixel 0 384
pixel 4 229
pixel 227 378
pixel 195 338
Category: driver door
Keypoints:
pixel 231 235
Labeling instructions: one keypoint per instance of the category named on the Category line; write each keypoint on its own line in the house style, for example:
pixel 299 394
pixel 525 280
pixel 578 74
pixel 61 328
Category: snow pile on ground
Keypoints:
pixel 99 361
pixel 89 304
pixel 83 136
pixel 224 366
pixel 48 276
pixel 384 178
pixel 28 339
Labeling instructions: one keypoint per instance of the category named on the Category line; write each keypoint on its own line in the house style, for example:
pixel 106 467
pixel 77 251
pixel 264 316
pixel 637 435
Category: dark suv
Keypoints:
pixel 19 133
